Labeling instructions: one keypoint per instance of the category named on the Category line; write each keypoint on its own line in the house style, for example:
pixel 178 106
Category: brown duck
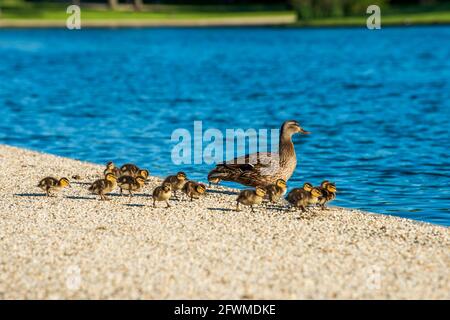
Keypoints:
pixel 263 168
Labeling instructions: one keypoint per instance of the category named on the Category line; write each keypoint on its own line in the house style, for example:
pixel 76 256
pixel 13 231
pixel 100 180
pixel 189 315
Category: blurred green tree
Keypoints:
pixel 309 9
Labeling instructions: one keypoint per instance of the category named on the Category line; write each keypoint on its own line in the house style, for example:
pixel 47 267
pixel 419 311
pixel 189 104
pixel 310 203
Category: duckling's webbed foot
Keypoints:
pixel 168 205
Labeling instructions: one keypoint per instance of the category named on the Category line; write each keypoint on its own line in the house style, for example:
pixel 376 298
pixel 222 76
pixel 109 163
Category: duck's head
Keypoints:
pixel 143 173
pixel 200 188
pixel 281 183
pixel 64 182
pixel 110 165
pixel 181 176
pixel 331 187
pixel 110 177
pixel 167 187
pixel 291 127
pixel 315 192
pixel 260 192
pixel 140 180
pixel 307 186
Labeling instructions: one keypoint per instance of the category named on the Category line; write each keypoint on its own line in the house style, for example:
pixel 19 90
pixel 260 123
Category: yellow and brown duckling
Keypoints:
pixel 276 191
pixel 162 193
pixel 50 185
pixel 194 190
pixel 143 173
pixel 104 186
pixel 303 197
pixel 129 169
pixel 250 197
pixel 111 168
pixel 177 182
pixel 328 190
pixel 212 179
pixel 130 184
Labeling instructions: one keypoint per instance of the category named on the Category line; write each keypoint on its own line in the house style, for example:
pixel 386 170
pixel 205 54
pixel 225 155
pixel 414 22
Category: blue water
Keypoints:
pixel 377 102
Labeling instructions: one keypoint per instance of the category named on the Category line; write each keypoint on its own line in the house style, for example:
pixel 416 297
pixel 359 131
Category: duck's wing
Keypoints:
pixel 249 169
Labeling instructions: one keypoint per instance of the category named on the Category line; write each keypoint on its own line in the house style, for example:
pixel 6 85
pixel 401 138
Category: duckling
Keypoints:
pixel 162 193
pixel 129 169
pixel 50 184
pixel 194 189
pixel 328 190
pixel 275 191
pixel 301 198
pixel 177 181
pixel 103 186
pixel 250 197
pixel 143 173
pixel 130 184
pixel 111 168
pixel 212 179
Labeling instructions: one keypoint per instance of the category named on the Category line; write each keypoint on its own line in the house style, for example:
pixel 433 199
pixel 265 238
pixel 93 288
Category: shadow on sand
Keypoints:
pixel 223 192
pixel 222 209
pixel 79 198
pixel 134 205
pixel 30 194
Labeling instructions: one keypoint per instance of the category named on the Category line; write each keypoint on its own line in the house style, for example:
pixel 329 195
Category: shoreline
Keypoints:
pixel 76 247
pixel 260 21
pixel 178 22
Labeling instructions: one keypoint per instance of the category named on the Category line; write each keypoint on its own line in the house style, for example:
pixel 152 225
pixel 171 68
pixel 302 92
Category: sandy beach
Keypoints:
pixel 74 246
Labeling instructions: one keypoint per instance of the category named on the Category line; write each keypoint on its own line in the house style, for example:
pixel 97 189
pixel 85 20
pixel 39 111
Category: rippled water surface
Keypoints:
pixel 377 102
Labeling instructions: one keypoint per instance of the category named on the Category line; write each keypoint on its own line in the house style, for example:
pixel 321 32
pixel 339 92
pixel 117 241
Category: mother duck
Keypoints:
pixel 262 168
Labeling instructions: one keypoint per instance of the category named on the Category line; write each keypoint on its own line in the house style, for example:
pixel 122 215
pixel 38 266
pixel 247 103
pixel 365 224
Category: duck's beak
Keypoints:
pixel 303 131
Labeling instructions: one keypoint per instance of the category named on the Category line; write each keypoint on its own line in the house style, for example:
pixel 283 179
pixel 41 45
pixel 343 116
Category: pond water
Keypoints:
pixel 377 102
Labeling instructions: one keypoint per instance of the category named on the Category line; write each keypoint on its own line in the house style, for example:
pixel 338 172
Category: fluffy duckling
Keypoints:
pixel 50 184
pixel 111 168
pixel 129 169
pixel 212 179
pixel 143 173
pixel 301 197
pixel 177 182
pixel 250 197
pixel 328 190
pixel 276 190
pixel 162 193
pixel 194 189
pixel 130 184
pixel 103 186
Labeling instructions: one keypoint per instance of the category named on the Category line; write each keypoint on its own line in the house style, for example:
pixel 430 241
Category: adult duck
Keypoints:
pixel 263 168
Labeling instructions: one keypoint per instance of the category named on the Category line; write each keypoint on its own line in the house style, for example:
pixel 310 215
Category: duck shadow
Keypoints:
pixel 223 192
pixel 30 194
pixel 79 198
pixel 222 209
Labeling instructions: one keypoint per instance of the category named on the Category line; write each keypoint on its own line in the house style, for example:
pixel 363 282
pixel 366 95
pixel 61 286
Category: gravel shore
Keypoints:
pixel 74 246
